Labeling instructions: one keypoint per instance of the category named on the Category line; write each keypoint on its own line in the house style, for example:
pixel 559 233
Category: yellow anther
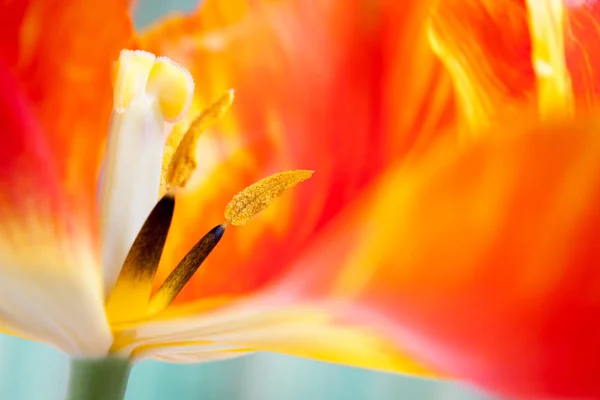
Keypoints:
pixel 139 72
pixel 173 85
pixel 182 162
pixel 261 194
pixel 131 76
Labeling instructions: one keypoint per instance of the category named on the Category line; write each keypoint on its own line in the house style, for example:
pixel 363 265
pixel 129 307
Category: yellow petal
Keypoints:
pixel 546 21
pixel 485 45
pixel 305 331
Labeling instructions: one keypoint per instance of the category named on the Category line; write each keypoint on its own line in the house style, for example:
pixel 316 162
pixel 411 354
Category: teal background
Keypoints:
pixel 33 371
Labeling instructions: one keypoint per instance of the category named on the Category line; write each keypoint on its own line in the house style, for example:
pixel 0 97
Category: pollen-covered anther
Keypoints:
pixel 258 196
pixel 139 72
pixel 184 160
pixel 181 275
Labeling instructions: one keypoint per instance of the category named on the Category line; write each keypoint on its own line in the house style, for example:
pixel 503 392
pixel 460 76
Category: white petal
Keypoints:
pixel 50 291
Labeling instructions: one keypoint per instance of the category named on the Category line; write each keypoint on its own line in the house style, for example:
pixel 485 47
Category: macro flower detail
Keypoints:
pixel 150 95
pixel 179 161
pixel 451 228
pixel 258 196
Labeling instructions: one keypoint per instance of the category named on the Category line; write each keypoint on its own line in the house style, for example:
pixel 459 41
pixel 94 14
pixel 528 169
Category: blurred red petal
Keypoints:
pixel 486 46
pixel 481 262
pixel 45 250
pixel 62 54
pixel 319 86
pixel 582 52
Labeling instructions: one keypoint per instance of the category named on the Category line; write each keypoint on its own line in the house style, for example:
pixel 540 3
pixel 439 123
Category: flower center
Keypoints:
pixel 149 95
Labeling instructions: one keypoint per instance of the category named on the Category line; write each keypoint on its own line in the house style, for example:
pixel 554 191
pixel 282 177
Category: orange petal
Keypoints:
pixel 481 261
pixel 55 104
pixel 486 46
pixel 582 32
pixel 49 278
pixel 312 82
pixel 63 54
pixel 554 92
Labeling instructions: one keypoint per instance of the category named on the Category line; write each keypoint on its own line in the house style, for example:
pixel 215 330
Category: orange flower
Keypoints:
pixel 79 263
pixel 450 224
pixel 465 237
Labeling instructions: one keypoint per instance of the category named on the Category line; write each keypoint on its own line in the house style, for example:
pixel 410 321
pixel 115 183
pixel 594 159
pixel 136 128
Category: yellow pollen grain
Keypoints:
pixel 180 164
pixel 258 196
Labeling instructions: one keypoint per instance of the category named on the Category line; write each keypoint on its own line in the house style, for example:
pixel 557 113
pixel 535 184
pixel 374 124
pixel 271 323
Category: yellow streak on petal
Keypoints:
pixel 180 156
pixel 305 331
pixel 475 102
pixel 174 87
pixel 258 196
pixel 546 20
pixel 131 74
pixel 350 346
pixel 481 43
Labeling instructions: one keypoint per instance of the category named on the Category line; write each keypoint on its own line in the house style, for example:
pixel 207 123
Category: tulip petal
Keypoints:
pixel 486 46
pixel 310 80
pixel 49 278
pixel 67 79
pixel 482 261
pixel 582 52
pixel 306 331
pixel 478 261
pixel 55 105
pixel 554 92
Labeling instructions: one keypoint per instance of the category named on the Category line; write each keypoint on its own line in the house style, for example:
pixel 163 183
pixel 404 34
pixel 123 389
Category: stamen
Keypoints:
pixel 134 284
pixel 258 196
pixel 185 270
pixel 179 168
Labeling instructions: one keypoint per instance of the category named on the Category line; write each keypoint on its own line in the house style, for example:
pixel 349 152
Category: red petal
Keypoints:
pixel 481 262
pixel 486 46
pixel 45 250
pixel 28 180
pixel 582 52
pixel 62 53
pixel 319 85
pixel 55 102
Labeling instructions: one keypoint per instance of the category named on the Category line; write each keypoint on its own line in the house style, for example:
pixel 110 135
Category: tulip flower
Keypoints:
pixel 466 242
pixel 449 230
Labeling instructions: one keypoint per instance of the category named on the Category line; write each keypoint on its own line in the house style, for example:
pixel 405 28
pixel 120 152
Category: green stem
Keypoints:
pixel 98 378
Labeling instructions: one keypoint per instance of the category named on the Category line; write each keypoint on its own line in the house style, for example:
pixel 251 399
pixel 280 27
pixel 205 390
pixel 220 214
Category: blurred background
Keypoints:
pixel 32 371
